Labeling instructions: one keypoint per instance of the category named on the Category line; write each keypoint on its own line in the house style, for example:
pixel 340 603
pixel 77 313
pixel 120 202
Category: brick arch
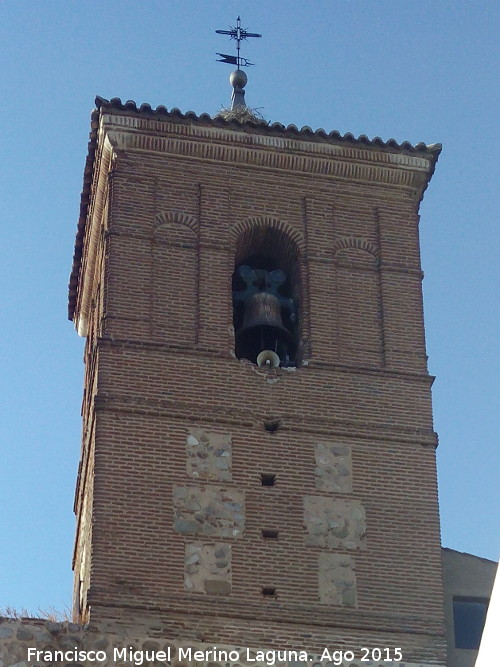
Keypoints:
pixel 243 227
pixel 176 218
pixel 356 242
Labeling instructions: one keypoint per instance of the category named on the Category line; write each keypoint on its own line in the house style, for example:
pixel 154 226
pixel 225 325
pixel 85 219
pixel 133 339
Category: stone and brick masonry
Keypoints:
pixel 226 504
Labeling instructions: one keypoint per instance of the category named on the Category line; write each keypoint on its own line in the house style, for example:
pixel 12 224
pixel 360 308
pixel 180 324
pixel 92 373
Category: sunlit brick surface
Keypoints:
pixel 171 205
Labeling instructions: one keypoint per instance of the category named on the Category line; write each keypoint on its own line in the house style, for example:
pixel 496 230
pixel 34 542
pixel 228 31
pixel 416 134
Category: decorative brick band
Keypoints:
pixel 338 165
pixel 215 134
pixel 372 430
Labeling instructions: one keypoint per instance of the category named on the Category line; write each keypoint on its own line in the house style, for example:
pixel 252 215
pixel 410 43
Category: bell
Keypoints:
pixel 263 310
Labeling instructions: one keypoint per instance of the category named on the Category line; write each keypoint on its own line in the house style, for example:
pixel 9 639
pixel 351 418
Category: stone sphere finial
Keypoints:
pixel 238 79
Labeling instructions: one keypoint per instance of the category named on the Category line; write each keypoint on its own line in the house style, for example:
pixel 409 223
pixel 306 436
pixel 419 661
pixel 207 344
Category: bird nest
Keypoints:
pixel 242 115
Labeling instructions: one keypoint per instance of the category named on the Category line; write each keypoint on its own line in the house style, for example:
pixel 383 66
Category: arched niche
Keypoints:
pixel 267 295
pixel 174 304
pixel 358 304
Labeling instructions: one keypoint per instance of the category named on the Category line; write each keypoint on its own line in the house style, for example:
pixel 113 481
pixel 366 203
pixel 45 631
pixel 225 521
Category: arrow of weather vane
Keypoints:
pixel 239 34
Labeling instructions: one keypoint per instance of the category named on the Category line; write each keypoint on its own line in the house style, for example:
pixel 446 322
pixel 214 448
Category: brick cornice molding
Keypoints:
pixel 264 151
pixel 328 426
pixel 312 617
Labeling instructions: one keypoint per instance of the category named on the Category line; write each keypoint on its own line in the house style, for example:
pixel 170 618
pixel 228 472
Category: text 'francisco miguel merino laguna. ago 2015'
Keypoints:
pixel 269 657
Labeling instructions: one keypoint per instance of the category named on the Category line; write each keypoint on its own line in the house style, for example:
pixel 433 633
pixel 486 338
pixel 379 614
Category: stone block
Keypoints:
pixel 206 563
pixel 54 628
pixel 210 511
pixel 334 523
pixel 69 641
pixel 208 455
pixel 217 587
pixel 336 579
pixel 333 467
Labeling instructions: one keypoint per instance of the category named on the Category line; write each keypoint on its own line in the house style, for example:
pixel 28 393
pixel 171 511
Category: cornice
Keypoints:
pixel 264 152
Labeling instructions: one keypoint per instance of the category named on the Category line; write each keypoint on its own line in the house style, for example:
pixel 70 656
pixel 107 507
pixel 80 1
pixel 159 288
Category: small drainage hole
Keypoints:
pixel 267 479
pixel 272 425
pixel 270 534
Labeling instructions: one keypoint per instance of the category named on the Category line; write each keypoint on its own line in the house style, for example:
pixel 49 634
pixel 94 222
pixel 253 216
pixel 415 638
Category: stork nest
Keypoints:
pixel 242 115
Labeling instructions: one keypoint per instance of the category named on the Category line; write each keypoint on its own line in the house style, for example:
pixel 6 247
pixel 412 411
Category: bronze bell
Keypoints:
pixel 263 310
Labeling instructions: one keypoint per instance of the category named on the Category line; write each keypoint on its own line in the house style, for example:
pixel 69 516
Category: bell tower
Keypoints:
pixel 258 456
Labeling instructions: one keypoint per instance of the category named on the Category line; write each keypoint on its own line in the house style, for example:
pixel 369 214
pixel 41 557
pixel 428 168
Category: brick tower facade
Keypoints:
pixel 282 501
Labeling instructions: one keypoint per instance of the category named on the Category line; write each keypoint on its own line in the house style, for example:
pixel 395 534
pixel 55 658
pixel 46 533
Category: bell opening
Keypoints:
pixel 264 311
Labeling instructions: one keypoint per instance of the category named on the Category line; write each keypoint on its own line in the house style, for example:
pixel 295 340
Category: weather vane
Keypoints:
pixel 239 34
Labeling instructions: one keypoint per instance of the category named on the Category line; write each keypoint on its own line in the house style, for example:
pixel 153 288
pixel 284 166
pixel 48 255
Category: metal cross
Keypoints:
pixel 239 34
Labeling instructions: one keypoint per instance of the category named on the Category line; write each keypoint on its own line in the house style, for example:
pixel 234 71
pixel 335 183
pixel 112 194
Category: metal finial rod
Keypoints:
pixel 238 34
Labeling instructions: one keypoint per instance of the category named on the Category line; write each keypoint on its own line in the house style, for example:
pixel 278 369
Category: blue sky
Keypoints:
pixel 417 71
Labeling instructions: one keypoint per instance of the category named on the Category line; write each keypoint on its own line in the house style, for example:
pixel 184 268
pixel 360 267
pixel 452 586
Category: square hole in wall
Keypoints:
pixel 269 591
pixel 272 425
pixel 267 479
pixel 270 534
